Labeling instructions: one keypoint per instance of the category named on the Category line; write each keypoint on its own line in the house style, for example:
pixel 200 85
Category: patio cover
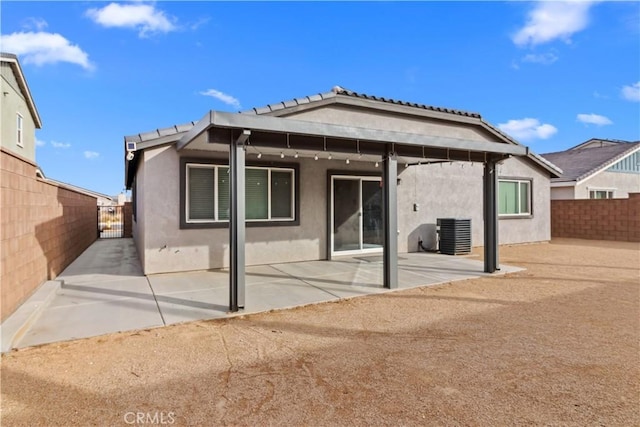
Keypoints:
pixel 221 131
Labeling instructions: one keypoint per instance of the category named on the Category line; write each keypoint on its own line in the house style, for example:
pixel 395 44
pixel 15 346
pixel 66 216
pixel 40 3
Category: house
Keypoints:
pixel 338 173
pixel 597 169
pixel 20 116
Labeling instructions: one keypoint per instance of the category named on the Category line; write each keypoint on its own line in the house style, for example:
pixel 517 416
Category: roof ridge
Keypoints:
pixel 339 90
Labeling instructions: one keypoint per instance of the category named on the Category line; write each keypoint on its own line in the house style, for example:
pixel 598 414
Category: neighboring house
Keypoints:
pixel 597 169
pixel 20 117
pixel 315 174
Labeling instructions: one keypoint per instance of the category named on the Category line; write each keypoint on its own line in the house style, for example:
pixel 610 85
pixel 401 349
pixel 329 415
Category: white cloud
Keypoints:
pixel 550 20
pixel 227 99
pixel 40 143
pixel 91 154
pixel 527 129
pixel 32 23
pixel 199 23
pixel 143 17
pixel 540 58
pixel 41 48
pixel 594 119
pixel 631 92
pixel 64 145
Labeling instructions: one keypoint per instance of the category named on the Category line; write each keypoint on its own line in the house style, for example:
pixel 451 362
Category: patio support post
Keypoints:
pixel 390 218
pixel 490 205
pixel 237 222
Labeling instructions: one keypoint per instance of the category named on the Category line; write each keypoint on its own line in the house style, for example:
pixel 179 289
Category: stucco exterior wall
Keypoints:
pixel 11 103
pixel 168 248
pixel 367 118
pixel 563 193
pixel 446 191
pixel 622 184
pixel 537 227
pixel 454 190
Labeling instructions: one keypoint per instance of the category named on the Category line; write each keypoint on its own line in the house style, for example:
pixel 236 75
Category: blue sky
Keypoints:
pixel 551 74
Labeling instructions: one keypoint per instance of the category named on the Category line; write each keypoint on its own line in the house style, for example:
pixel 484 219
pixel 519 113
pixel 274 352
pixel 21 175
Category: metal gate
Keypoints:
pixel 110 222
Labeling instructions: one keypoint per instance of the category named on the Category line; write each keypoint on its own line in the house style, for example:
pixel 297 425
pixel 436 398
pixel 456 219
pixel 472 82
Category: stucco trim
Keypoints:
pixel 184 225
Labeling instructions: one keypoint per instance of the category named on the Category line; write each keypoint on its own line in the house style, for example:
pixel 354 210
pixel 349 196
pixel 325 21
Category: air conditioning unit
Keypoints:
pixel 454 236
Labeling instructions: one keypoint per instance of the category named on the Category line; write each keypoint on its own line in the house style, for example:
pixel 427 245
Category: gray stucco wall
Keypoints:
pixel 366 118
pixel 455 191
pixel 11 103
pixel 449 190
pixel 536 228
pixel 168 248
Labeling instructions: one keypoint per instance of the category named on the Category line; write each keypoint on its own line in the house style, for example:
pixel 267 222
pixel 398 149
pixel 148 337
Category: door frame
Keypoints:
pixel 347 175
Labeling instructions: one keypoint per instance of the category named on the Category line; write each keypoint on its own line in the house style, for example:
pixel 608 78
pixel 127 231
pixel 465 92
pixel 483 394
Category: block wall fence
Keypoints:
pixel 43 227
pixel 601 219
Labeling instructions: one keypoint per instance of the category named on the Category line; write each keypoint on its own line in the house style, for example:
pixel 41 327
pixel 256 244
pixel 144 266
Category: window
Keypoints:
pixel 19 130
pixel 269 194
pixel 601 194
pixel 514 197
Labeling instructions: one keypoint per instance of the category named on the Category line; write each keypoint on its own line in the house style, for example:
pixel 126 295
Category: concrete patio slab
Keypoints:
pixel 105 291
pixel 64 323
pixel 178 307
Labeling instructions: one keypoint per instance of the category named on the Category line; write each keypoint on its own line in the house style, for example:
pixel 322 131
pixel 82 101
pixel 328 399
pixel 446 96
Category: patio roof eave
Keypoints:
pixel 217 119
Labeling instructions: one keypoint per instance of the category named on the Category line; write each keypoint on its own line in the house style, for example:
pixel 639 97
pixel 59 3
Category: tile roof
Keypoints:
pixel 338 90
pixel 578 164
pixel 154 134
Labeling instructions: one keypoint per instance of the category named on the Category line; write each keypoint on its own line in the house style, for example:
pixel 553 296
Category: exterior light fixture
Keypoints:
pixel 281 155
pixel 259 155
pixel 315 157
pixel 329 156
pixel 377 164
pixel 347 161
pixel 295 156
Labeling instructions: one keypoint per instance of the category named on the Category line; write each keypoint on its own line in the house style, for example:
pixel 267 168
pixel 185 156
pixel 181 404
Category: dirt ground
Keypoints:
pixel 557 344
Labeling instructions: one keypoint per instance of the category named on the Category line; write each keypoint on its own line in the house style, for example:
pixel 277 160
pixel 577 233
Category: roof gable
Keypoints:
pixel 339 95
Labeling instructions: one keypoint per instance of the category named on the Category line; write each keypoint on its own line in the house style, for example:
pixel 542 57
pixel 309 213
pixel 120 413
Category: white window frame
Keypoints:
pixel 610 192
pixel 518 199
pixel 216 172
pixel 19 130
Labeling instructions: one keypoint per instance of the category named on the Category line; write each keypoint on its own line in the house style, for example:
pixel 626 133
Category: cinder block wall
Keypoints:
pixel 43 228
pixel 603 219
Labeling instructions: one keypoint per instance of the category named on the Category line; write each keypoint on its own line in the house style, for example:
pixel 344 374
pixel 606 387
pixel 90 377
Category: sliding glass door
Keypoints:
pixel 356 215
